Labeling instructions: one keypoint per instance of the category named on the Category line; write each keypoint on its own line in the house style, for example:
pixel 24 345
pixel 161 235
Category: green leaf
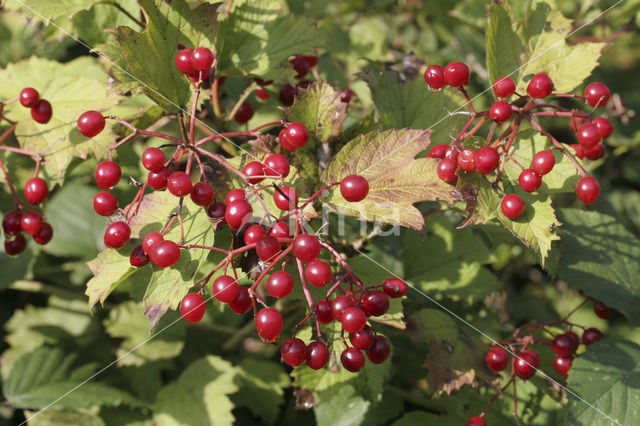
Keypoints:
pixel 54 417
pixel 110 268
pixel 607 377
pixel 601 258
pixel 199 396
pixel 128 322
pixel 42 377
pixel 504 47
pixel 257 37
pixel 396 179
pixel 70 93
pixel 261 388
pixel 345 408
pixel 53 9
pixel 150 56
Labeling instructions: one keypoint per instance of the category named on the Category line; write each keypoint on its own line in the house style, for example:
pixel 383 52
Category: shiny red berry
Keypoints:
pixel 339 304
pixel 153 159
pixel 15 245
pixel 202 194
pixel 297 135
pixel 512 206
pixel 524 365
pixel 500 111
pixel 179 184
pixel 286 198
pixel 242 303
pixel 138 257
pixel 280 284
pixel 202 59
pixel 591 335
pixel 268 323
pixel 279 229
pixel 346 95
pixel 255 171
pixel 29 97
pixel 529 180
pixel 447 169
pixel 456 74
pixel 487 159
pixel 158 180
pixel 543 162
pixel 36 190
pixel 362 339
pixel 379 350
pixel 192 307
pixel 324 311
pixel 277 165
pixel 44 235
pixel 268 248
pixel 235 194
pixel 375 303
pixel 562 345
pixel 395 287
pixel 31 223
pixel 540 86
pixel 244 113
pixel 253 234
pixel 353 319
pixel 354 188
pixel 595 153
pixel 352 359
pixel 105 203
pixel 216 210
pixel 293 351
pixel 306 247
pixel 604 126
pixel 150 240
pixel 165 254
pixel 41 112
pixel 108 175
pixel 589 135
pixel 603 311
pixel 467 160
pixel 597 94
pixel 183 61
pixel 497 359
pixel 238 213
pixel 317 355
pixel 434 77
pixel 287 94
pixel 11 222
pixel 318 273
pixel 438 151
pixel 117 235
pixel 91 123
pixel 588 190
pixel 225 288
pixel 476 421
pixel 504 87
pixel 562 364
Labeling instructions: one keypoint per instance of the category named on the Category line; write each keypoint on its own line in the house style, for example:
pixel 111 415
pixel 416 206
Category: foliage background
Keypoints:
pixel 217 370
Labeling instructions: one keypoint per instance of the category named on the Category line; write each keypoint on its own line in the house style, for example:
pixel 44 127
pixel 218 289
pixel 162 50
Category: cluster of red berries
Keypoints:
pixel 195 63
pixel 41 110
pixel 455 159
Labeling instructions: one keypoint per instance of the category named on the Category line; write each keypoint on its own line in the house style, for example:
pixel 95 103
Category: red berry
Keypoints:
pixel 504 87
pixel 318 273
pixel 500 111
pixel 354 188
pixel 447 170
pixel 165 254
pixel 297 135
pixel 202 194
pixel 242 302
pixel 317 355
pixel 286 203
pixel 375 303
pixel 362 339
pixel 293 351
pixel 262 94
pixel 11 222
pixel 311 60
pixel 346 95
pixel 253 234
pixel 324 311
pixel 339 304
pixel 216 210
pixel 44 235
pixel 487 160
pixel 467 160
pixel 41 112
pixel 452 153
pixel 15 245
pixel 438 151
pixel 235 194
pixel 244 113
pixel 597 94
pixel 300 65
pixel 225 288
pixel 379 350
pixel 91 123
pixel 268 248
pixel 280 229
pixel 589 135
pixel 117 235
pixel 287 94
pixel 595 153
pixel 29 97
pixel 395 287
pixel 562 364
pixel 276 165
pixel 268 323
pixel 306 247
pixel 138 257
pixel 202 59
pixel 31 223
pixel 353 320
pixel 543 162
pixel 529 180
pixel 603 311
pixel 534 356
pixel 150 240
pixel 512 206
pixel 562 345
pixel 280 284
pixel 540 86
pixel 434 77
pixel 524 365
pixel 35 190
pixel 183 61
pixel 158 180
pixel 352 359
pixel 476 421
pixel 238 213
pixel 192 307
pixel 591 335
pixel 604 126
pixel 282 138
pixel 153 159
pixel 574 339
pixel 179 184
pixel 254 168
pixel 456 74
pixel 105 203
pixel 497 359
pixel 588 189
pixel 578 149
pixel 108 175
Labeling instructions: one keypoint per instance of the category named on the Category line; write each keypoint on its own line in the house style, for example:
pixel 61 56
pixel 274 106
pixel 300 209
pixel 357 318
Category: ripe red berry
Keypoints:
pixel 202 59
pixel 353 320
pixel 105 203
pixel 339 304
pixel 282 138
pixel 300 65
pixel 91 123
pixel 362 339
pixel 165 254
pixel 153 159
pixel 543 162
pixel 589 135
pixel 158 180
pixel 238 213
pixel 452 153
pixel 150 240
pixel 354 188
pixel 562 364
pixel 597 94
pixel 487 160
pixel 268 323
pixel 286 203
pixel 280 284
pixel 29 97
pixel 311 60
pixel 11 222
pixel 604 126
pixel 324 311
pixel 456 74
pixel 280 229
pixel 395 287
pixel 15 245
pixel 30 223
pixel 267 248
pixel 438 151
pixel 379 350
pixel 476 421
pixel 242 303
pixel 192 307
pixel 306 247
pixel 287 94
pixel 529 180
pixel 447 170
pixel 225 288
pixel 138 257
pixel 352 359
pixel 179 184
pixel 254 168
pixel 293 351
pixel 534 357
pixel 562 345
pixel 216 210
pixel 202 194
pixel 603 311
pixel 434 77
pixel 297 135
pixel 500 111
pixel 346 95
pixel 578 149
pixel 588 190
pixel 108 175
pixel 375 303
pixel 575 340
pixel 277 165
pixel 183 61
pixel 117 235
pixel 540 86
pixel 467 160
pixel 235 194
pixel 262 94
pixel 318 273
pixel 244 113
pixel 497 359
pixel 253 234
pixel 524 365
pixel 44 235
pixel 504 87
pixel 317 355
pixel 35 190
pixel 512 206
pixel 591 335
pixel 41 112
pixel 595 153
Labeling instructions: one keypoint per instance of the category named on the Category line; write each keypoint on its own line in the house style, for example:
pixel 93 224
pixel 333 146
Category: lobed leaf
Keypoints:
pixel 504 46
